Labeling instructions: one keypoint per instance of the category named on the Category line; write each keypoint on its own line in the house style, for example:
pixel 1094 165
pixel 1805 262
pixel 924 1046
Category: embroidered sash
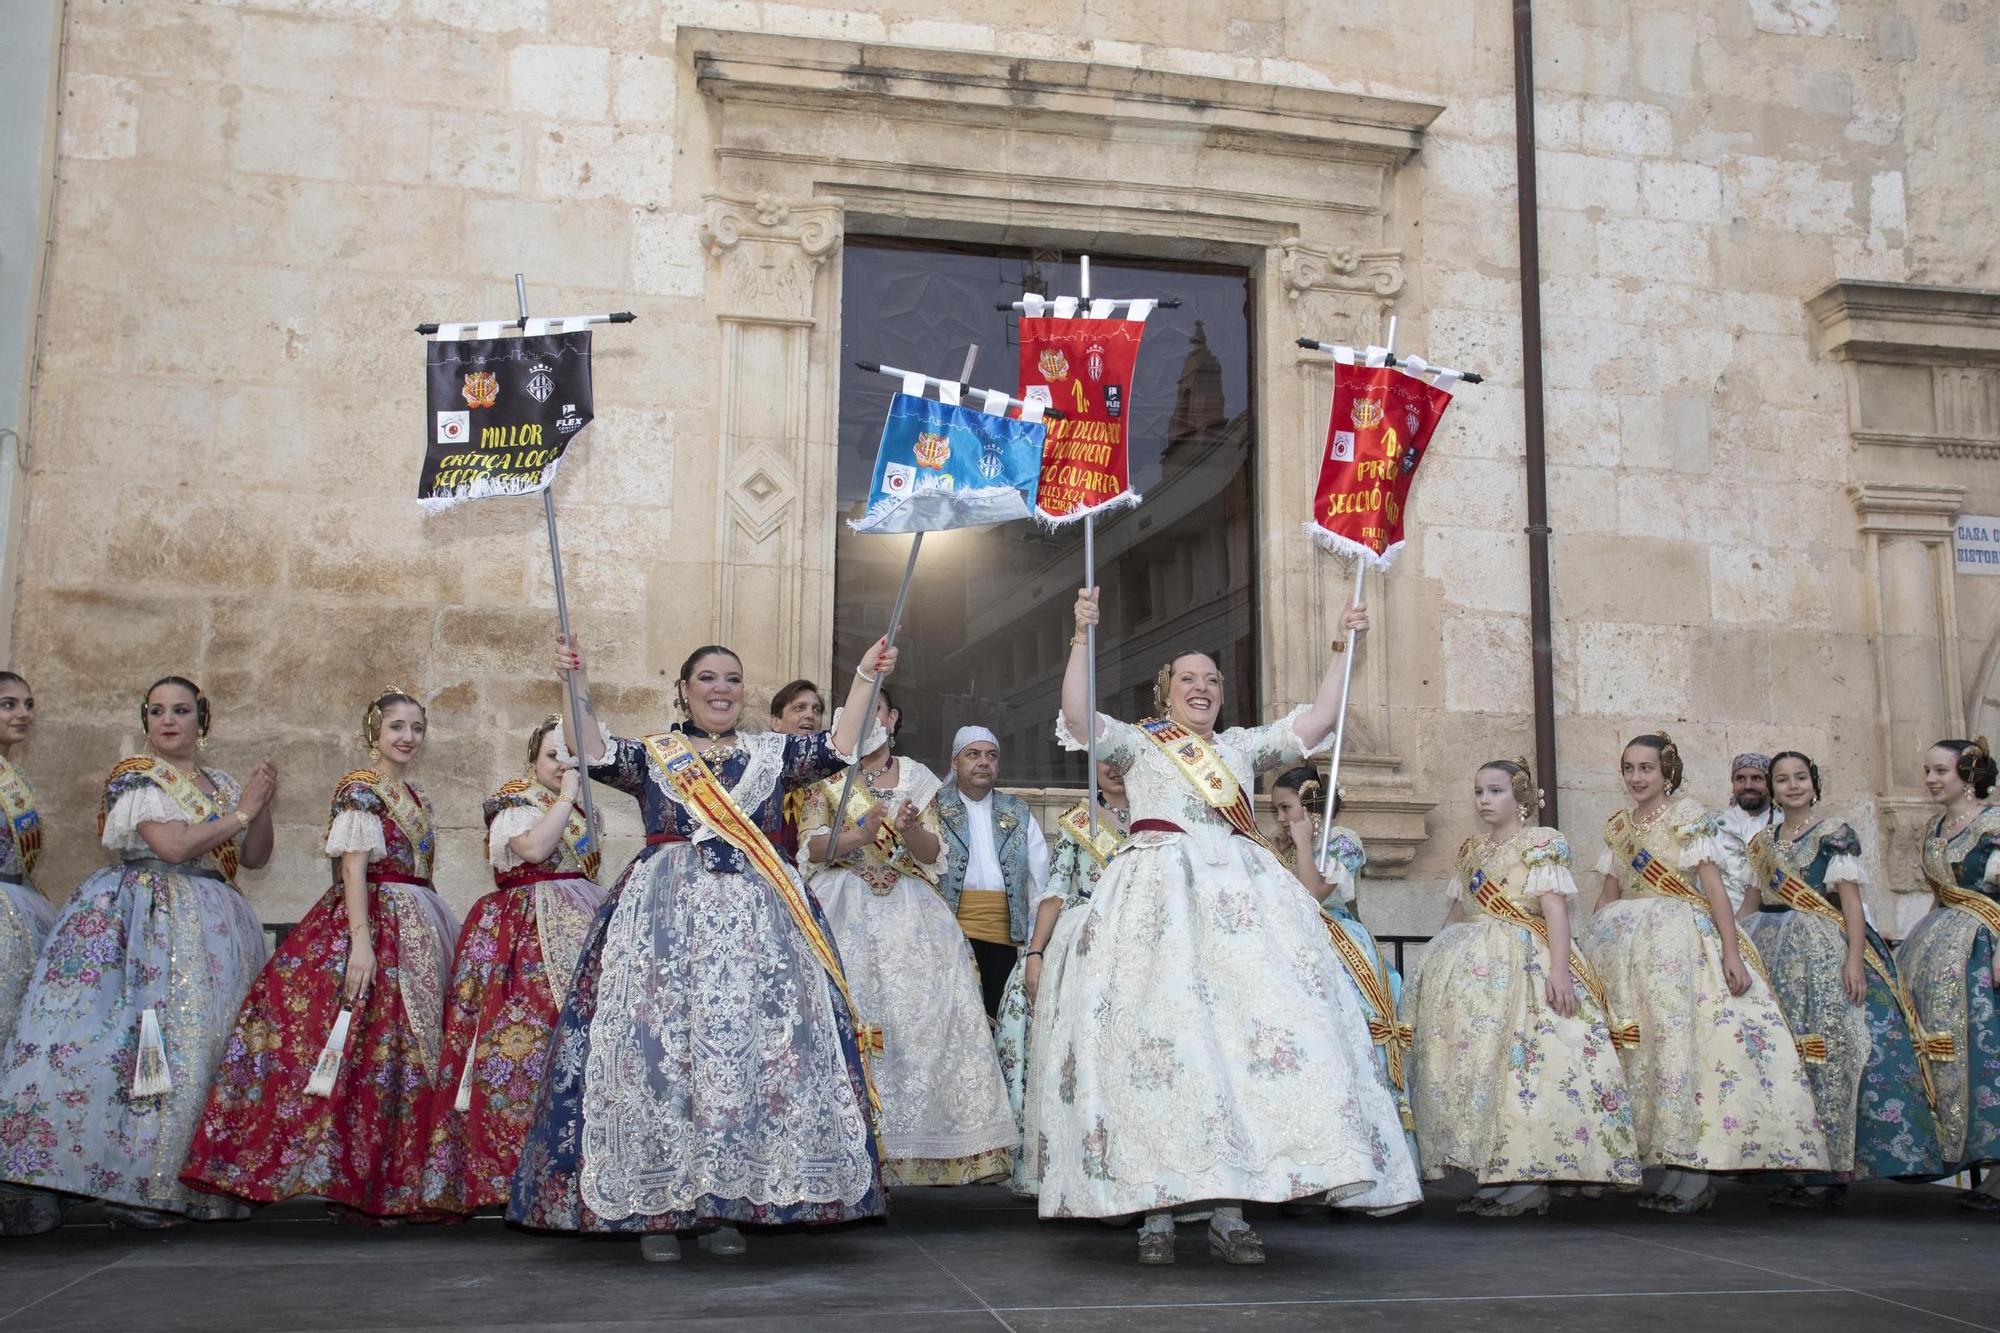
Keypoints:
pixel 17 803
pixel 1950 894
pixel 1669 883
pixel 884 860
pixel 1493 900
pixel 1372 980
pixel 1800 897
pixel 1075 824
pixel 180 788
pixel 1196 760
pixel 576 833
pixel 710 802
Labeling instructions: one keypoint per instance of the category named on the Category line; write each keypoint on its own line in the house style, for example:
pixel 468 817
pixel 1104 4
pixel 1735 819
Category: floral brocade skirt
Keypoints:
pixel 134 938
pixel 1947 959
pixel 1198 1041
pixel 1503 1086
pixel 1869 1089
pixel 1715 1081
pixel 510 975
pixel 704 1068
pixel 263 1137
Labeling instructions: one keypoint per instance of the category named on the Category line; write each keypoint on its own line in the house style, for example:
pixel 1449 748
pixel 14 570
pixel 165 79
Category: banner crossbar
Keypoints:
pixel 959 388
pixel 493 328
pixel 1382 356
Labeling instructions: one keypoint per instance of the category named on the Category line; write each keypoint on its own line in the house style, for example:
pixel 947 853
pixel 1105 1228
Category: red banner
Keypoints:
pixel 1382 423
pixel 1084 368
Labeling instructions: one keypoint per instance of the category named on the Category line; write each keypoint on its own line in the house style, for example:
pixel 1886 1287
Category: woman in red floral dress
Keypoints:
pixel 515 959
pixel 375 950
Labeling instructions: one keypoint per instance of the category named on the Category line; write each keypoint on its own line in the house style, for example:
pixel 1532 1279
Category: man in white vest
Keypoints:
pixel 996 859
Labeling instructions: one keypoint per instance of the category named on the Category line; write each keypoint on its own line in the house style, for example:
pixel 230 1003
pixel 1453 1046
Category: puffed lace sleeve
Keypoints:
pixel 1699 835
pixel 356 831
pixel 1844 866
pixel 877 737
pixel 140 803
pixel 1348 857
pixel 1118 742
pixel 1065 864
pixel 1604 866
pixel 509 823
pixel 1546 854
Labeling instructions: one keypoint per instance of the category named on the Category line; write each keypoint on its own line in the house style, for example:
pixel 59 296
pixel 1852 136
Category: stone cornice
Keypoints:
pixel 1908 323
pixel 1908 509
pixel 810 74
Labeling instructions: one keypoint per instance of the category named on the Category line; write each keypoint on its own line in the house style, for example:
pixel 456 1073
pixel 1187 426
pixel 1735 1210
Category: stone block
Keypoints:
pixel 1627 129
pixel 150 213
pixel 151 41
pixel 942 33
pixel 1787 196
pixel 1474 493
pixel 100 117
pixel 484 16
pixel 1628 670
pixel 1730 675
pixel 294 135
pixel 1663 51
pixel 1484 657
pixel 1478 570
pixel 561 83
pixel 1582 427
pixel 1632 579
pixel 838 24
pixel 315 58
pixel 87 429
pixel 1760 586
pixel 1650 248
pixel 572 245
pixel 387 228
pixel 1583 499
pixel 1795 18
pixel 643 90
pixel 667 258
pixel 1580 183
pixel 602 162
pixel 1682 191
pixel 478 150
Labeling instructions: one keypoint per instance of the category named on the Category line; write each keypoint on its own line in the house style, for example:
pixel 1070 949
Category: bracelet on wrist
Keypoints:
pixel 1032 953
pixel 865 676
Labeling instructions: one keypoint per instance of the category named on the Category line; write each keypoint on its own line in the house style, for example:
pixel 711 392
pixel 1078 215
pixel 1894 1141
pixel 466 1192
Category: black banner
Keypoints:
pixel 500 412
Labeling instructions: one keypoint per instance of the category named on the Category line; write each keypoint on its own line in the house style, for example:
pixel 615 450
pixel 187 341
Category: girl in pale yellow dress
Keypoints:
pixel 1716 1082
pixel 1513 1073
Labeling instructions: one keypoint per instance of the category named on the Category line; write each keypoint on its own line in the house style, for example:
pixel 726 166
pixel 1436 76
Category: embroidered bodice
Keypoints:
pixel 762 768
pixel 1827 853
pixel 366 809
pixel 1156 787
pixel 915 784
pixel 515 809
pixel 1971 859
pixel 1524 867
pixel 1680 835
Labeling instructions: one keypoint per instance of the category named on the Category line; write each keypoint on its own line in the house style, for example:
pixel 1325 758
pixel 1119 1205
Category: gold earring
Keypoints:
pixel 374 754
pixel 201 743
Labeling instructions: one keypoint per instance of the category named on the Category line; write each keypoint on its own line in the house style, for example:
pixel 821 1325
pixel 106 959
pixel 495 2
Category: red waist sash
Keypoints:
pixel 396 877
pixel 1168 826
pixel 655 839
pixel 521 876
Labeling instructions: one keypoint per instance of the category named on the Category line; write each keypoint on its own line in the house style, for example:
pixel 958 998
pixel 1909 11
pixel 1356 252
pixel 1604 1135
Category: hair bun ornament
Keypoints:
pixel 1980 747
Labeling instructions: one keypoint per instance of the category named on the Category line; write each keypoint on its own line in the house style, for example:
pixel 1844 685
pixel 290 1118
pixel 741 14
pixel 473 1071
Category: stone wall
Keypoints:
pixel 258 200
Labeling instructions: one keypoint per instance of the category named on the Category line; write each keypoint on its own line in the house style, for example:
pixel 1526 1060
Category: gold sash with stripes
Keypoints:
pixel 1075 824
pixel 1493 900
pixel 17 803
pixel 1668 883
pixel 1205 771
pixel 1394 1037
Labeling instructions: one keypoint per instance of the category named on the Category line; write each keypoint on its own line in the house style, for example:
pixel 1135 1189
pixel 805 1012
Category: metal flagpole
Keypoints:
pixel 1346 683
pixel 889 640
pixel 1090 631
pixel 574 727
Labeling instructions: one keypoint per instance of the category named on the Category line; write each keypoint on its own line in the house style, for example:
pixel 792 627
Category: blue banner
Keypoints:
pixel 943 466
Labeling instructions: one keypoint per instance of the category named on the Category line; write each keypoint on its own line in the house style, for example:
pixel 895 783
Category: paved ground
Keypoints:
pixel 1899 1259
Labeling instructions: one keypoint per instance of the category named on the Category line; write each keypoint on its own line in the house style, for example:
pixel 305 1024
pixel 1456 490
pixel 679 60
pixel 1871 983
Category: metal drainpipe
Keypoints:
pixel 1539 619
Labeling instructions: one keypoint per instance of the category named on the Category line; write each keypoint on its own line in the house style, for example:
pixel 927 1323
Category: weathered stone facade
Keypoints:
pixel 1754 460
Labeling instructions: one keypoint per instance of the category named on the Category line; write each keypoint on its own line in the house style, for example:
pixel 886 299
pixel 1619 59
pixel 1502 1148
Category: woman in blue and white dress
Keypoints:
pixel 1202 1046
pixel 707 1066
pixel 26 917
pixel 134 993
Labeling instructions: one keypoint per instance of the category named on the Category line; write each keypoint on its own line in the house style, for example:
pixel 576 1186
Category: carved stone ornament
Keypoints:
pixel 770 251
pixel 1340 268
